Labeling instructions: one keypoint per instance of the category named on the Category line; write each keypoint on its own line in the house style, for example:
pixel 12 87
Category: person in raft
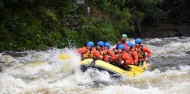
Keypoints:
pixel 133 53
pixel 143 52
pixel 108 56
pixel 89 51
pixel 123 41
pixel 123 58
pixel 100 49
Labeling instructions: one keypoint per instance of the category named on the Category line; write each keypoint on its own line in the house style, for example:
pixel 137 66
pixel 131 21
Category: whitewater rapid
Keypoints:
pixel 42 72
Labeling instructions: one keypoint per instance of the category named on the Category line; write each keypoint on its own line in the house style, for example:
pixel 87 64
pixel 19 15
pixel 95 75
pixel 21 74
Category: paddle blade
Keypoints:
pixel 64 56
pixel 151 65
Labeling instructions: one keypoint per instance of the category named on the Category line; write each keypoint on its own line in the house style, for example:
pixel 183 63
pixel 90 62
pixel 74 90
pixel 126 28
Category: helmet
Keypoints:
pixel 100 43
pixel 90 44
pixel 124 36
pixel 121 46
pixel 107 44
pixel 138 41
pixel 130 44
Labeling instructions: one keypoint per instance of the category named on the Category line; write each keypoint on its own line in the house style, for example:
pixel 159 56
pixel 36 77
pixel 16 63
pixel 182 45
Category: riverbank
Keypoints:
pixel 158 30
pixel 163 30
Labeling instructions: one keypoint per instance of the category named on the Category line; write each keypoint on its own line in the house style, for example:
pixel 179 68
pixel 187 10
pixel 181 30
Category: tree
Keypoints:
pixel 141 9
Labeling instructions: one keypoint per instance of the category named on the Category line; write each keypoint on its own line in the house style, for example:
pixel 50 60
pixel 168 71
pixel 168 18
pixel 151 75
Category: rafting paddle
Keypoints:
pixel 93 62
pixel 151 65
pixel 64 56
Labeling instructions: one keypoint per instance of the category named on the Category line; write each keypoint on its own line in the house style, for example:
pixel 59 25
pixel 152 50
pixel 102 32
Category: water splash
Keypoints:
pixel 42 72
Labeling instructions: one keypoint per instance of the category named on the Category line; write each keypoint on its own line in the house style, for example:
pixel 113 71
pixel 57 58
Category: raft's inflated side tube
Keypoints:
pixel 101 65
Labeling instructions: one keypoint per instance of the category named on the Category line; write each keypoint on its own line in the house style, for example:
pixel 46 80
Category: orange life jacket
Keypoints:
pixel 131 55
pixel 107 57
pixel 120 58
pixel 140 52
pixel 88 54
pixel 101 53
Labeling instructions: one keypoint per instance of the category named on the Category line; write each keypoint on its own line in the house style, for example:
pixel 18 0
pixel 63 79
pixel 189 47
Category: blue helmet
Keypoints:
pixel 107 44
pixel 121 46
pixel 130 44
pixel 100 43
pixel 90 44
pixel 138 41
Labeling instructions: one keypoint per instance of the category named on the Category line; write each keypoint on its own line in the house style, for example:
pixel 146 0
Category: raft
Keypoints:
pixel 112 69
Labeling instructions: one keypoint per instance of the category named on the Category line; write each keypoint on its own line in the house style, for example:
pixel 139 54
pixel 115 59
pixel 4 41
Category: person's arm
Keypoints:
pixel 145 49
pixel 128 60
pixel 97 55
pixel 110 52
pixel 116 57
pixel 82 50
pixel 135 55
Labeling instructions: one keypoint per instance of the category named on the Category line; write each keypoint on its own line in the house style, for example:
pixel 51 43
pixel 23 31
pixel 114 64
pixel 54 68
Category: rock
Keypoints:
pixel 1 69
pixel 188 52
pixel 171 35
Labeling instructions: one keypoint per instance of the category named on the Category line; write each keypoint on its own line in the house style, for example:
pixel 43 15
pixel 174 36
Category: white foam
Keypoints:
pixel 11 85
pixel 127 89
pixel 42 72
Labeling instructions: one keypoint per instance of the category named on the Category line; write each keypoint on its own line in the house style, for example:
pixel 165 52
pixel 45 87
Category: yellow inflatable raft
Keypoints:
pixel 101 65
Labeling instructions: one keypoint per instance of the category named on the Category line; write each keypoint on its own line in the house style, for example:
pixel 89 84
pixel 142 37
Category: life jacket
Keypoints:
pixel 101 53
pixel 107 56
pixel 87 55
pixel 140 52
pixel 120 58
pixel 131 55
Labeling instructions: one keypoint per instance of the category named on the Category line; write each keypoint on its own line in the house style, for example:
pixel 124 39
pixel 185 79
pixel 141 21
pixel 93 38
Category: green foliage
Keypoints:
pixel 1 4
pixel 149 8
pixel 51 14
pixel 104 4
pixel 123 21
pixel 65 8
pixel 71 37
pixel 39 24
pixel 149 1
pixel 153 11
pixel 107 32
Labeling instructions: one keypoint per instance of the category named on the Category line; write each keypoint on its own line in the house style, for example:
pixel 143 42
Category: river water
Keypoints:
pixel 42 72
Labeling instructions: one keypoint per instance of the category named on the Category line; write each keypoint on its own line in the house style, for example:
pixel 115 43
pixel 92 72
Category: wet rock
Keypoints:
pixel 188 52
pixel 171 35
pixel 164 30
pixel 2 62
pixel 15 54
pixel 179 33
pixel 1 69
